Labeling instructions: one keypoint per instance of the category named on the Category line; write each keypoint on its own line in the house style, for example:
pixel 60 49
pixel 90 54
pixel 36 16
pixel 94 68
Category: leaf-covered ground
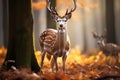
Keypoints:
pixel 92 65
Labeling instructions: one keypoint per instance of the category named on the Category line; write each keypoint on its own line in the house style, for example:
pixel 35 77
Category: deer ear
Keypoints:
pixel 104 34
pixel 54 16
pixel 68 16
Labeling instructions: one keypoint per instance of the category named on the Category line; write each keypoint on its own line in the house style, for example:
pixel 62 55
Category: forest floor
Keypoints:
pixel 91 65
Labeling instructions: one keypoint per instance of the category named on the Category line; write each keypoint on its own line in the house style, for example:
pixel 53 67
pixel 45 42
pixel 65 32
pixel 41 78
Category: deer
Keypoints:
pixel 55 42
pixel 109 49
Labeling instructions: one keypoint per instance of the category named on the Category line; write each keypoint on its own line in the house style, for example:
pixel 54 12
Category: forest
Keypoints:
pixel 93 43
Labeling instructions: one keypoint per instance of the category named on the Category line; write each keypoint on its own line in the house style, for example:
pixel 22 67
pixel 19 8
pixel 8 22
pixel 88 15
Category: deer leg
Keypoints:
pixel 42 58
pixel 55 58
pixel 117 59
pixel 52 64
pixel 63 61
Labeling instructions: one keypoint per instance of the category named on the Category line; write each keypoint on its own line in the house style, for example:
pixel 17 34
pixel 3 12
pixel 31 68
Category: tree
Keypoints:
pixel 50 23
pixel 5 22
pixel 20 44
pixel 110 21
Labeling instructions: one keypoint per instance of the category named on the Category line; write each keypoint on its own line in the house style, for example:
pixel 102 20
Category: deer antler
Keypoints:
pixel 53 11
pixel 73 9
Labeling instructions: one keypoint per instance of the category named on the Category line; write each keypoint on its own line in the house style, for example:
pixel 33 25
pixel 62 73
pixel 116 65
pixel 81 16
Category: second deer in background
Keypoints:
pixel 109 49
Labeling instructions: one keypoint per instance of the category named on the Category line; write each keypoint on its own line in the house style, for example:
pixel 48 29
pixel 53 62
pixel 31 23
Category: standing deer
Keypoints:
pixel 109 49
pixel 55 42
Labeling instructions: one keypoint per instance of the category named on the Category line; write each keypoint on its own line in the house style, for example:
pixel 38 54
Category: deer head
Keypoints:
pixel 61 20
pixel 100 38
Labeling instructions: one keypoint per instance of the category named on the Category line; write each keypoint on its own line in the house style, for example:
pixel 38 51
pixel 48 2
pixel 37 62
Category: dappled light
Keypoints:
pixel 39 5
pixel 3 52
pixel 81 4
pixel 88 4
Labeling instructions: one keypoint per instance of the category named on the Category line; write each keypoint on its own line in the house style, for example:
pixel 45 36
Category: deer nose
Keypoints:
pixel 61 25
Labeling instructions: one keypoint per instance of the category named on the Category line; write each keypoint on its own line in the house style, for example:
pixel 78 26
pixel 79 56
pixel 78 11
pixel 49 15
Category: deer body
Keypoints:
pixel 55 42
pixel 52 41
pixel 109 49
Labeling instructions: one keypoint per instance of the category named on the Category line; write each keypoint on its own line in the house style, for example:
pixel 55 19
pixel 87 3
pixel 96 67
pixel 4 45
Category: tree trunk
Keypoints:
pixel 5 22
pixel 110 21
pixel 50 22
pixel 20 44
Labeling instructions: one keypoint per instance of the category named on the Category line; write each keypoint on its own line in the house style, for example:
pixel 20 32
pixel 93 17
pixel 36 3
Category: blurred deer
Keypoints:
pixel 109 49
pixel 55 42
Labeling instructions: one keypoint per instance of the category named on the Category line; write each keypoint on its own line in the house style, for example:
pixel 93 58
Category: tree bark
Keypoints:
pixel 5 22
pixel 110 21
pixel 50 22
pixel 20 44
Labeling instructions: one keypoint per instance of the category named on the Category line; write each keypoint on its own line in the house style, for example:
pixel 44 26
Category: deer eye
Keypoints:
pixel 65 20
pixel 57 20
